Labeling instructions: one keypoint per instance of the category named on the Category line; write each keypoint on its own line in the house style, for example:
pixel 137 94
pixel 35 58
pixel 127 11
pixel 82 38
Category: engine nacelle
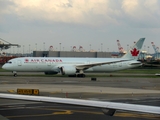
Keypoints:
pixel 68 70
pixel 53 71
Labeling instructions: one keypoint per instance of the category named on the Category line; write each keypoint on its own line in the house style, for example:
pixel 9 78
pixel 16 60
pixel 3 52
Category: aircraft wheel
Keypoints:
pixel 81 75
pixel 72 75
pixel 84 75
pixel 15 75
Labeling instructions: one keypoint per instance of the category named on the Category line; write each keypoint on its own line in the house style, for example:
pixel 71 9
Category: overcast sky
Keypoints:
pixel 95 23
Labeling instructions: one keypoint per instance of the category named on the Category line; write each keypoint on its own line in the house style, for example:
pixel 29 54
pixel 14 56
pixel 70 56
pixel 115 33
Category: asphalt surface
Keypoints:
pixel 144 91
pixel 44 111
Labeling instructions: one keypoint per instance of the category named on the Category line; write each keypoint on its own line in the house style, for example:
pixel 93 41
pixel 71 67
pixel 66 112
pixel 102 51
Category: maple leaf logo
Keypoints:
pixel 134 52
pixel 26 60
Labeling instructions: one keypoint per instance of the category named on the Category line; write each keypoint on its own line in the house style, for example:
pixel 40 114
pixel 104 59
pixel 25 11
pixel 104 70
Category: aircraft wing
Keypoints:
pixel 110 106
pixel 86 66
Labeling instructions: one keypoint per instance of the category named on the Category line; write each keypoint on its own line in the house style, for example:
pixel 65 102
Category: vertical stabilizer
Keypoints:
pixel 135 51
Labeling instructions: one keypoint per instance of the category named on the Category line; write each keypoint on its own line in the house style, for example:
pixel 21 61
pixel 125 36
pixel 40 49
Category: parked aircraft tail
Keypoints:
pixel 134 52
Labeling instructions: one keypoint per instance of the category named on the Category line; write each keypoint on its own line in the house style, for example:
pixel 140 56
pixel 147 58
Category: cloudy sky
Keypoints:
pixel 89 23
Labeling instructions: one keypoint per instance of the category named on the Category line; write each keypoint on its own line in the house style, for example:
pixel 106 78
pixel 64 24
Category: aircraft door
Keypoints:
pixel 120 64
pixel 49 63
pixel 19 63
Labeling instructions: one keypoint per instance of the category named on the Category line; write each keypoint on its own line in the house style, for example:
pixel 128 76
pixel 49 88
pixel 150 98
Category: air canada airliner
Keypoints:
pixel 75 66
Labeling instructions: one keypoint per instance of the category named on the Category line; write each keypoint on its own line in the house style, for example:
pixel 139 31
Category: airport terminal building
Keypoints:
pixel 143 56
pixel 72 54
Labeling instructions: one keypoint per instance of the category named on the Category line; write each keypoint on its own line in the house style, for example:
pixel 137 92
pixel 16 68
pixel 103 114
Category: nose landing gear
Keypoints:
pixel 14 73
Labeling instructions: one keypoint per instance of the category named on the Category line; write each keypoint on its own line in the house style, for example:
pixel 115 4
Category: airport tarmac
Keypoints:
pixel 118 89
pixel 48 111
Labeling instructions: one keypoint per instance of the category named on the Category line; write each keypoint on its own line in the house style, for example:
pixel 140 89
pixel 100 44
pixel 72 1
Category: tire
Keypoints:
pixel 15 75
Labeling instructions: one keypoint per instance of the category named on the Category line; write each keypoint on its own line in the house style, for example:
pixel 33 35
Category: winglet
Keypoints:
pixel 134 52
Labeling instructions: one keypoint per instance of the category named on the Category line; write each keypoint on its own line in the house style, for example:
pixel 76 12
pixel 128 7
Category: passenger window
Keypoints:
pixel 9 62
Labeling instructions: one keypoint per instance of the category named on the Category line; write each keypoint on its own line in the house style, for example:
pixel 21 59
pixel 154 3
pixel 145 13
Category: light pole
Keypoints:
pixel 13 50
pixel 144 47
pixel 36 46
pixel 44 46
pixel 17 51
pixel 148 49
pixel 101 47
pixel 10 50
pixel 127 47
pixel 29 48
pixel 90 47
pixel 59 46
pixel 23 49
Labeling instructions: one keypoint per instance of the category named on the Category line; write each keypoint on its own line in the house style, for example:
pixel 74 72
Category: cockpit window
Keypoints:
pixel 9 62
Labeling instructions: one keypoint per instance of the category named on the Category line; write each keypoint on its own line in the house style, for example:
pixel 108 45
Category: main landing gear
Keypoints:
pixel 81 75
pixel 78 75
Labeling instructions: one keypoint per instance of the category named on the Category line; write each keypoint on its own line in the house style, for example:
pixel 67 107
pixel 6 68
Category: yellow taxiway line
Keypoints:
pixel 68 112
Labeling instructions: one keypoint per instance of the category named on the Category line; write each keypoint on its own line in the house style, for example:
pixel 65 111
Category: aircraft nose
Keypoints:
pixel 4 66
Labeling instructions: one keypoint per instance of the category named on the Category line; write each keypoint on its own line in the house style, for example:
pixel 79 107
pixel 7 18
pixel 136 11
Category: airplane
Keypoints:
pixel 75 66
pixel 108 108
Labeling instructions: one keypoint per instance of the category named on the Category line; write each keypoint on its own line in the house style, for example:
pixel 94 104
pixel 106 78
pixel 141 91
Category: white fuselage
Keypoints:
pixel 43 64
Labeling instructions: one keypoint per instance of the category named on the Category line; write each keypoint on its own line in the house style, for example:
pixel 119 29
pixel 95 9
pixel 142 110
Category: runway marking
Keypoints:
pixel 118 114
pixel 11 91
pixel 89 112
pixel 55 92
pixel 67 112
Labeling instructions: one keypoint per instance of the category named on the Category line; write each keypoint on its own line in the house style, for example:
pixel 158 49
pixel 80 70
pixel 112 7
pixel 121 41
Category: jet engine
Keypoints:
pixel 53 71
pixel 68 70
